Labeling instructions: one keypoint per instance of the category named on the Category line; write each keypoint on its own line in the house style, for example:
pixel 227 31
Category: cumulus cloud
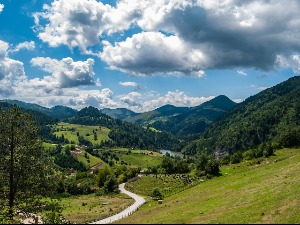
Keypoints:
pixel 150 101
pixel 290 61
pixel 97 98
pixel 25 45
pixel 208 34
pixel 149 53
pixel 80 24
pixel 1 8
pixel 65 73
pixel 11 71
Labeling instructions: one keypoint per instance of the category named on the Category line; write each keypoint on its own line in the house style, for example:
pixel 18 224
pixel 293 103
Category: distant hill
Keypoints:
pixel 119 113
pixel 126 134
pixel 58 112
pixel 39 117
pixel 271 116
pixel 185 122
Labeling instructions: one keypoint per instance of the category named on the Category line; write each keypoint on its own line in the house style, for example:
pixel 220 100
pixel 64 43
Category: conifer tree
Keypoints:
pixel 25 167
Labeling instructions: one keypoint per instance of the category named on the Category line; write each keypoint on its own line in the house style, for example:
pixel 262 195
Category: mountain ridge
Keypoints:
pixel 270 117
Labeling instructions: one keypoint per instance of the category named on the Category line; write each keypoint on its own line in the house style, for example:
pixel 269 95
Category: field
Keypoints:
pixel 138 158
pixel 70 131
pixel 87 208
pixel 258 191
pixel 93 160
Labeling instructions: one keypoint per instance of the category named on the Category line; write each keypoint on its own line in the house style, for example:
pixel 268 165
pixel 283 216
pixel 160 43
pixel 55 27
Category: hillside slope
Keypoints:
pixel 246 193
pixel 271 116
pixel 58 112
pixel 126 134
pixel 119 113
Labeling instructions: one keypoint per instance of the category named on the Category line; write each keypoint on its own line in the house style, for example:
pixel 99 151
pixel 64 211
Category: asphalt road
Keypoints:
pixel 138 202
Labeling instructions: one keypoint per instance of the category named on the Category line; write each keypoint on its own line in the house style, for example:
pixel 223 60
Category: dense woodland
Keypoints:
pixel 270 117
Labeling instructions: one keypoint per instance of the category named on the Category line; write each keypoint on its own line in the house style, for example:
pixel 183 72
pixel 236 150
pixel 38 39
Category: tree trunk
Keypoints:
pixel 11 176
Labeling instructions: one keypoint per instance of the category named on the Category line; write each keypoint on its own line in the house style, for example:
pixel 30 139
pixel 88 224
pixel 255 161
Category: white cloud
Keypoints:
pixel 149 101
pixel 150 53
pixel 1 8
pixel 11 71
pixel 291 61
pixel 128 83
pixel 25 45
pixel 97 98
pixel 65 73
pixel 217 34
pixel 242 72
pixel 73 23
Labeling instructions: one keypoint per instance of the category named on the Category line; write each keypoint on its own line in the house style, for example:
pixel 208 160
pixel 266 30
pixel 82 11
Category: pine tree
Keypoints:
pixel 25 167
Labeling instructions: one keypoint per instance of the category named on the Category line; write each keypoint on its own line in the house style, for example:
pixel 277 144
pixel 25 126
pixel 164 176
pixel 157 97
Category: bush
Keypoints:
pixel 236 158
pixel 225 160
pixel 156 194
pixel 249 154
pixel 212 167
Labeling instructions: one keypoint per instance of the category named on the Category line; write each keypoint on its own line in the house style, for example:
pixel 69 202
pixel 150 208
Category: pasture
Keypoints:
pixel 256 191
pixel 72 131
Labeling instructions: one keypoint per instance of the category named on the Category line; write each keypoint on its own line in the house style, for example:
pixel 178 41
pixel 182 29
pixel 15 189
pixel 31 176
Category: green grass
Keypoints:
pixel 140 160
pixel 93 159
pixel 49 145
pixel 268 192
pixel 167 184
pixel 84 131
pixel 87 208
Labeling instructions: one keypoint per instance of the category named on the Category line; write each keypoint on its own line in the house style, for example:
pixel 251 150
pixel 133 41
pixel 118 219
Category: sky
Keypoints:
pixel 143 54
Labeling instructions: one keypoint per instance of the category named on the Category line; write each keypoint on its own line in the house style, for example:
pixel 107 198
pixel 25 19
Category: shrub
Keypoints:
pixel 156 194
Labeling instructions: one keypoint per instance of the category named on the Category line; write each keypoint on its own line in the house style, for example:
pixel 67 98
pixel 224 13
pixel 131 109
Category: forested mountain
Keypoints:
pixel 185 122
pixel 126 134
pixel 40 118
pixel 59 112
pixel 119 113
pixel 271 116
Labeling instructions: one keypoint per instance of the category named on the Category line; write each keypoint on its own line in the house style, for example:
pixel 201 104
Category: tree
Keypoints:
pixel 212 167
pixel 25 167
pixel 156 193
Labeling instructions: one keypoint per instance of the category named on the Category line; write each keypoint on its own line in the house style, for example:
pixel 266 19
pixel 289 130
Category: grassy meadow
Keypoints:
pixel 88 208
pixel 257 191
pixel 90 160
pixel 138 158
pixel 70 132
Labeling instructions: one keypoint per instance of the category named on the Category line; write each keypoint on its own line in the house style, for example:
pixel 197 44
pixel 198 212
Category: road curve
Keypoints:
pixel 138 202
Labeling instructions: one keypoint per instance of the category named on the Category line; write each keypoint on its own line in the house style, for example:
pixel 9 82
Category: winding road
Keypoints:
pixel 138 202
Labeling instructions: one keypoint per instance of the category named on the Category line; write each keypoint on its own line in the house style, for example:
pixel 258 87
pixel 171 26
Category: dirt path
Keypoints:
pixel 128 211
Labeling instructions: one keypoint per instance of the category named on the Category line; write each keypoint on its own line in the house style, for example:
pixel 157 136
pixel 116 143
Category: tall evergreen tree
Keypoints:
pixel 25 167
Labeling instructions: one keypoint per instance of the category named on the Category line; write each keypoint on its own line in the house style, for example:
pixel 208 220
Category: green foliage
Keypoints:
pixel 103 174
pixel 212 167
pixel 236 157
pixel 111 184
pixel 26 168
pixel 184 122
pixel 125 134
pixel 53 215
pixel 272 115
pixel 156 194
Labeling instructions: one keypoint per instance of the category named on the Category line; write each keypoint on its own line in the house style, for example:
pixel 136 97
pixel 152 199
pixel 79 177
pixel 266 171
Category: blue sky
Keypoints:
pixel 142 55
